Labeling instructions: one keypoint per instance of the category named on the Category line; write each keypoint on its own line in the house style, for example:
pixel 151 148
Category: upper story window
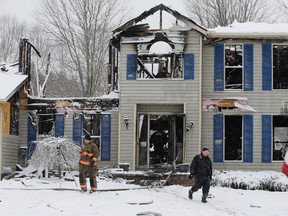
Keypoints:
pixel 159 61
pixel 280 66
pixel 233 66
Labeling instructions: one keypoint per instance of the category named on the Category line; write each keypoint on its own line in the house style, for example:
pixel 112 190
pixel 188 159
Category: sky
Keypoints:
pixel 22 8
pixel 33 196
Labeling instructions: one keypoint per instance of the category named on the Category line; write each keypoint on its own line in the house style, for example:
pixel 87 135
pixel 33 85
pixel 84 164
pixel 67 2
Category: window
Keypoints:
pixel 45 125
pixel 280 137
pixel 280 67
pixel 91 126
pixel 233 138
pixel 14 115
pixel 159 61
pixel 233 66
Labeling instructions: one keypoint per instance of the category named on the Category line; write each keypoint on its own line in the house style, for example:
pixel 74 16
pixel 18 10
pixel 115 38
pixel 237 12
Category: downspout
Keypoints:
pixel 119 137
pixel 134 137
pixel 200 93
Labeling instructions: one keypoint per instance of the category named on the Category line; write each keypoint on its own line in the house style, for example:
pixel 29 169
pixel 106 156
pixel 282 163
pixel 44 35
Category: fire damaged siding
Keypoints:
pixel 157 92
pixel 10 151
pixel 261 98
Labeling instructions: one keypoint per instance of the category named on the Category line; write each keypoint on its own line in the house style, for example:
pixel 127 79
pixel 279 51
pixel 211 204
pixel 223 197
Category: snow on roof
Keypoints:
pixel 111 95
pixel 251 28
pixel 9 84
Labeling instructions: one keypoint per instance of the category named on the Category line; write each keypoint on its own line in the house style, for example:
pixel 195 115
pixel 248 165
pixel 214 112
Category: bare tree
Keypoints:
pixel 283 6
pixel 82 29
pixel 10 32
pixel 213 13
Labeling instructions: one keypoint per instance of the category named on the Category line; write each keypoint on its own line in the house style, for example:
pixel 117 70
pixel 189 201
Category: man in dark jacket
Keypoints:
pixel 201 170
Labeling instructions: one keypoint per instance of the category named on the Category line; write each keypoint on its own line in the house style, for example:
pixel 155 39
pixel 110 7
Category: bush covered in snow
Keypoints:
pixel 262 180
pixel 54 152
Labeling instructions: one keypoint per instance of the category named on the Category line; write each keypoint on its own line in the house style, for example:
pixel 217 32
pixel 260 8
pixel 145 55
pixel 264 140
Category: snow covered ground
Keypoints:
pixel 34 196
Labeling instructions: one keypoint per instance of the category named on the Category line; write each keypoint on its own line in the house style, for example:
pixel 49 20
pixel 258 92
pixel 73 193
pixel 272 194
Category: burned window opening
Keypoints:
pixel 46 124
pixel 233 138
pixel 160 66
pixel 280 67
pixel 233 66
pixel 14 114
pixel 160 139
pixel 280 137
pixel 91 126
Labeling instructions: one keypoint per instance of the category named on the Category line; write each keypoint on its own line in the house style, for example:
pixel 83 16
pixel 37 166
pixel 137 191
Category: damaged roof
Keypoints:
pixel 10 81
pixel 132 23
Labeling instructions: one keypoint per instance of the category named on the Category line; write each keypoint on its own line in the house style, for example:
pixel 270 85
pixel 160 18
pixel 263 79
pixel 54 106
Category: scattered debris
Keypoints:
pixel 255 206
pixel 148 213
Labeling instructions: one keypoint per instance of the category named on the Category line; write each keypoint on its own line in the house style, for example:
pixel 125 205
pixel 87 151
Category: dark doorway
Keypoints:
pixel 233 137
pixel 159 139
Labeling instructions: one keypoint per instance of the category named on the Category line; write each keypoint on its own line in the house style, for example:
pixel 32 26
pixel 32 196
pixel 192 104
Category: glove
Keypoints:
pixel 91 163
pixel 190 176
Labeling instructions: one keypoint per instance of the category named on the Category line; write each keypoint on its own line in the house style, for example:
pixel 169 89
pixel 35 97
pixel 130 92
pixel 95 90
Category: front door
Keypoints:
pixel 159 139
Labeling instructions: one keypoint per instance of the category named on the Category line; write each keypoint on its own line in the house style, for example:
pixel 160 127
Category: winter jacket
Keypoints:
pixel 89 154
pixel 201 166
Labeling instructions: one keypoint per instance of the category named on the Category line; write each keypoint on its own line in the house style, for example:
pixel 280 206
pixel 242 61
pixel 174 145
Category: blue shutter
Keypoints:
pixel 248 139
pixel 32 136
pixel 266 138
pixel 218 138
pixel 189 66
pixel 266 67
pixel 131 66
pixel 78 129
pixel 248 67
pixel 59 125
pixel 105 136
pixel 219 67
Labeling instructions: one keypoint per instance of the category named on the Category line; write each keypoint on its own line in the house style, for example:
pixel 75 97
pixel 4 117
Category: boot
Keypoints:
pixel 204 197
pixel 190 195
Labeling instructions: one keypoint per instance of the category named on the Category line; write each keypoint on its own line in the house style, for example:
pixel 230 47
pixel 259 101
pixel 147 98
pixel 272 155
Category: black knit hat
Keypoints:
pixel 87 137
pixel 205 148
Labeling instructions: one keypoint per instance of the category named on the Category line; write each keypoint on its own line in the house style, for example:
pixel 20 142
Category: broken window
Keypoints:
pixel 233 138
pixel 46 125
pixel 91 126
pixel 159 61
pixel 233 66
pixel 280 137
pixel 14 114
pixel 280 66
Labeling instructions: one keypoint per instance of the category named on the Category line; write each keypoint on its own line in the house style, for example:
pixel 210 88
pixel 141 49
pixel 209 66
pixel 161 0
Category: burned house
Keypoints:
pixel 12 94
pixel 174 90
pixel 223 88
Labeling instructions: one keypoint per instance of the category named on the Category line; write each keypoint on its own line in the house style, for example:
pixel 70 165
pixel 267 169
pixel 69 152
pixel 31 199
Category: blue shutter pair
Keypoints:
pixel 131 66
pixel 219 64
pixel 218 139
pixel 105 147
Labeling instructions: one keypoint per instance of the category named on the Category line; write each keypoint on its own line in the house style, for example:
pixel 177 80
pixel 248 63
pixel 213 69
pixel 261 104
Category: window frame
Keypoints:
pixel 273 67
pixel 241 138
pixel 274 143
pixel 234 67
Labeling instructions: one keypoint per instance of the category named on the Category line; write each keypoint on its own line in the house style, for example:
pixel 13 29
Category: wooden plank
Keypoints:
pixel 6 118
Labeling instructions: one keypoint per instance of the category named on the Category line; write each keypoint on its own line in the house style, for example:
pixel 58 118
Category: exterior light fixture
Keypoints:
pixel 126 121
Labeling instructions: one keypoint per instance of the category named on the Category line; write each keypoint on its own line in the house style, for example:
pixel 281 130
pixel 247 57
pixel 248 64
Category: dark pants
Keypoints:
pixel 85 171
pixel 201 181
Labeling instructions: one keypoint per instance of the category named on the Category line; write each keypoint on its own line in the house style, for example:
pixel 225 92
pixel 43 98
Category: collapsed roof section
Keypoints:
pixel 132 29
